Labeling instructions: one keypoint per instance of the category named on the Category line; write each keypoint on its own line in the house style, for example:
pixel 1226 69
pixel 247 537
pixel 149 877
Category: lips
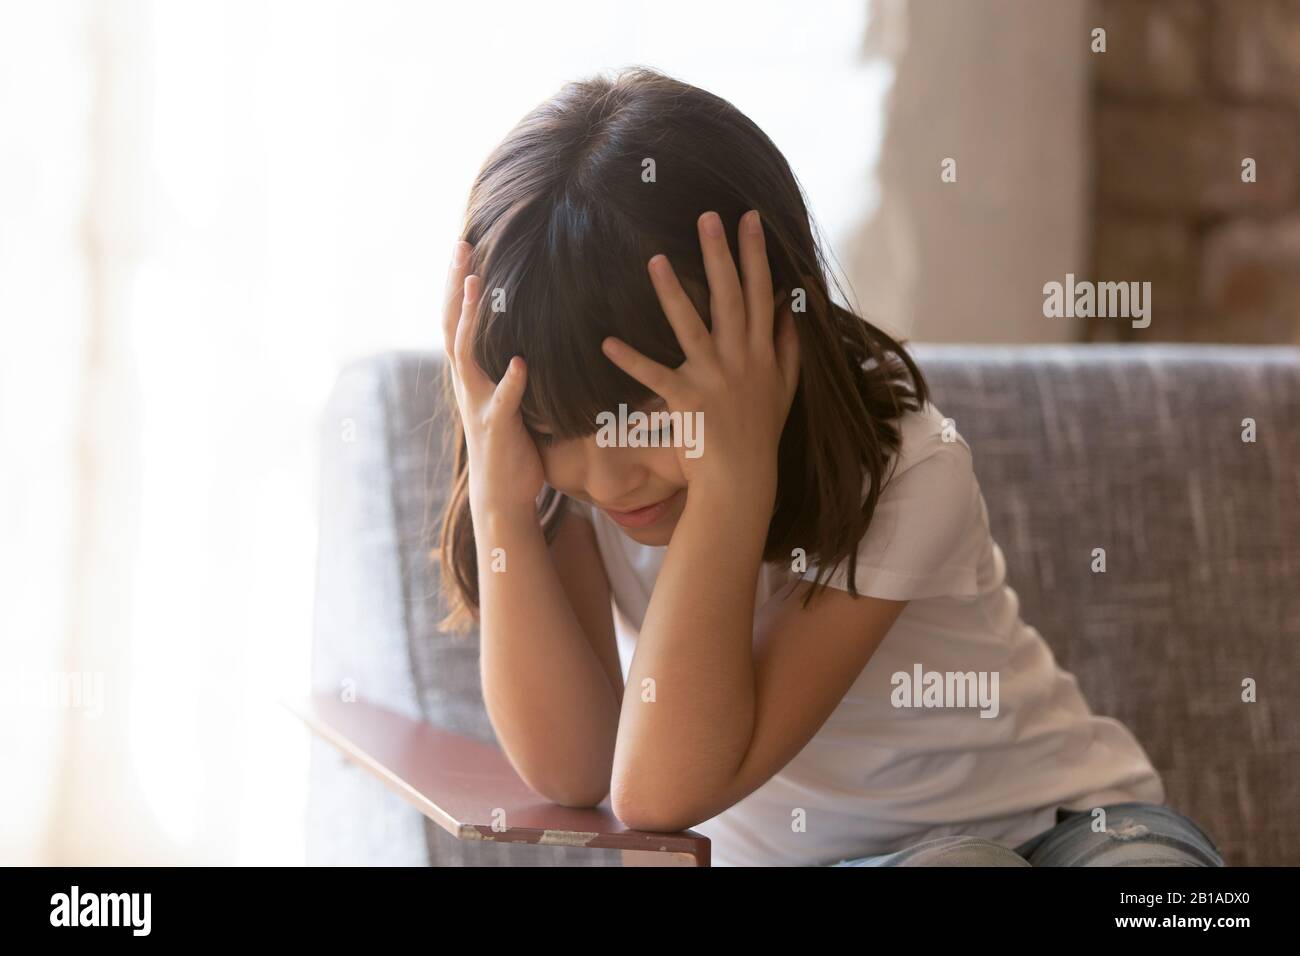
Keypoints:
pixel 640 517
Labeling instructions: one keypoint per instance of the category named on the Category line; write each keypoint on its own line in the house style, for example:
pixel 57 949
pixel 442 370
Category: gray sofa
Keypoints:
pixel 1135 449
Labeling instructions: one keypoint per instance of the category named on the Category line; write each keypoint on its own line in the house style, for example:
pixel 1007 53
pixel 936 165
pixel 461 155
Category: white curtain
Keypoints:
pixel 205 210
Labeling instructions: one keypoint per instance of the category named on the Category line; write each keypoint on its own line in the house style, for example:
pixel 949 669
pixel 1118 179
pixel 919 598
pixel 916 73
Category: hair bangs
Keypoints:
pixel 557 281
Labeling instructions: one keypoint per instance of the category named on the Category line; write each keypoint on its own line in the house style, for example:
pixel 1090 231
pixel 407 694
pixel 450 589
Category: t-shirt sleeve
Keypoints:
pixel 927 533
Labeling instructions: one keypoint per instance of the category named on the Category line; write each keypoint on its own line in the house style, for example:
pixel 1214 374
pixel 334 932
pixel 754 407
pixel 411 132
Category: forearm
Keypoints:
pixel 549 700
pixel 696 645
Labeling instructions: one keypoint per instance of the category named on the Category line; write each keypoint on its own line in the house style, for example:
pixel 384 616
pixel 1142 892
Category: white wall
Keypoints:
pixel 1001 86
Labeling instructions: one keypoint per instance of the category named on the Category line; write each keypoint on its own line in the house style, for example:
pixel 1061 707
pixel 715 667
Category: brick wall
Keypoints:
pixel 1184 93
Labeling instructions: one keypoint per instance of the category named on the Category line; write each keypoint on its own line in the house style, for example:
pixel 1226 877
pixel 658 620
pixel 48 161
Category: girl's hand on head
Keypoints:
pixel 741 378
pixel 505 470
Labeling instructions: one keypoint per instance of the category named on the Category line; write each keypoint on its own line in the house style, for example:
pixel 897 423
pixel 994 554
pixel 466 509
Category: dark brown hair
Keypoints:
pixel 564 215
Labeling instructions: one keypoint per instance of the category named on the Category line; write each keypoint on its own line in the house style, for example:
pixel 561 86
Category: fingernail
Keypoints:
pixel 458 252
pixel 712 224
pixel 753 224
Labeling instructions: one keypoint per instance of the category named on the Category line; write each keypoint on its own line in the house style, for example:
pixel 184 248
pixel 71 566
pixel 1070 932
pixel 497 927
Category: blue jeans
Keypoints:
pixel 1136 834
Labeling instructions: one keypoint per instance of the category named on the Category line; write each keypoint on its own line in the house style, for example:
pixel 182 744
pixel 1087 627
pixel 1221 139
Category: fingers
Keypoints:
pixel 473 379
pixel 726 298
pixel 759 303
pixel 459 322
pixel 510 391
pixel 687 325
pixel 648 372
pixel 739 311
pixel 452 294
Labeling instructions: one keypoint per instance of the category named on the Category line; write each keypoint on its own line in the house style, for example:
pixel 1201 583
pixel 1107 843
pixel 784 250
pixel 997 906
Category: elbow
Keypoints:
pixel 654 814
pixel 579 797
pixel 580 800
pixel 567 793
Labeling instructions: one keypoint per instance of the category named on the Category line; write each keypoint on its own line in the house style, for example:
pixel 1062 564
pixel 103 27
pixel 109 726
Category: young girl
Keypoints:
pixel 811 655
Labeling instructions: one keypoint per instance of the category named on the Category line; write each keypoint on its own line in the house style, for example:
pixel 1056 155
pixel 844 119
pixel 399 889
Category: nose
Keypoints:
pixel 613 474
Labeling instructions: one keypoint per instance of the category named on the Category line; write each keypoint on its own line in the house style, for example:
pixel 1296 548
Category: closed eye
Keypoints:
pixel 661 407
pixel 546 439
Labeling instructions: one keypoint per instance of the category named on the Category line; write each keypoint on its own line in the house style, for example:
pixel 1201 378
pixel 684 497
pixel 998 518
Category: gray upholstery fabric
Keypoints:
pixel 361 631
pixel 1134 449
pixel 1138 450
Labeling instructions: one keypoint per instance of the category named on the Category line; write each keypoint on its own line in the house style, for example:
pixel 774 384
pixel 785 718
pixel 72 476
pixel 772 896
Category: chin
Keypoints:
pixel 656 536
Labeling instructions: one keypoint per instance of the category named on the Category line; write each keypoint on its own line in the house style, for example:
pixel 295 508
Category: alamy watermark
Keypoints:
pixel 75 908
pixel 1103 300
pixel 660 429
pixel 924 688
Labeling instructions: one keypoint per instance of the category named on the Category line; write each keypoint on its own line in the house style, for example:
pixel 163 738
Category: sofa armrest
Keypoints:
pixel 469 788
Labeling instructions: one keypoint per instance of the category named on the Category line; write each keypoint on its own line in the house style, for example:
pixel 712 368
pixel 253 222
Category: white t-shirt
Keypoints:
pixel 878 777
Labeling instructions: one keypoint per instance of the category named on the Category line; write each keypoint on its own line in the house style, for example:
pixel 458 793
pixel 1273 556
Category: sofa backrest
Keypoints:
pixel 1138 450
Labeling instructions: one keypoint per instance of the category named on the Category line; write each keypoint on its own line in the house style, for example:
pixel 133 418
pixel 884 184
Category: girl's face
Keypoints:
pixel 642 490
